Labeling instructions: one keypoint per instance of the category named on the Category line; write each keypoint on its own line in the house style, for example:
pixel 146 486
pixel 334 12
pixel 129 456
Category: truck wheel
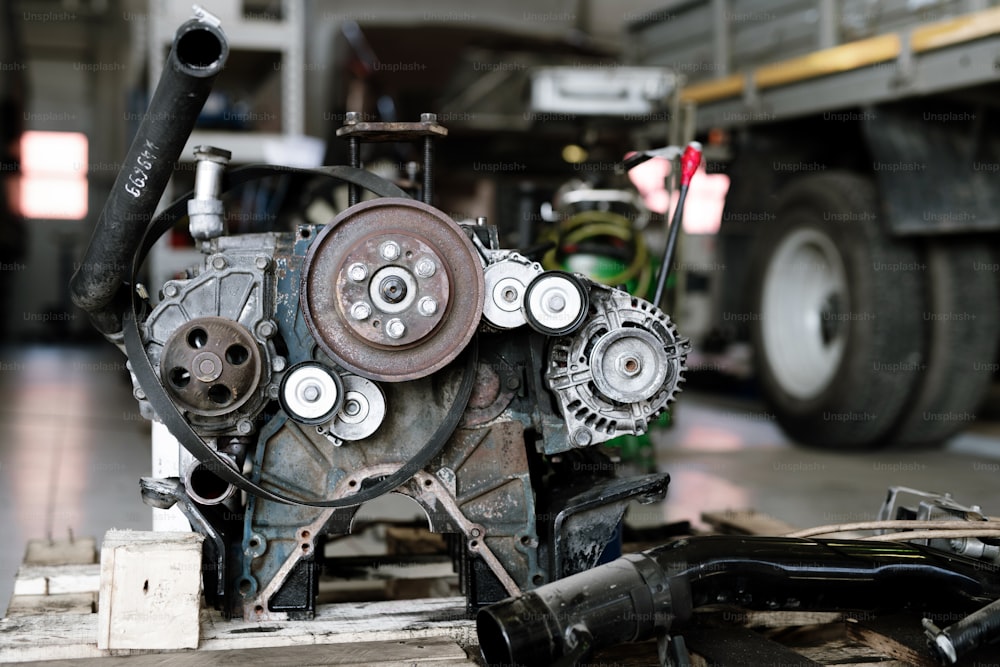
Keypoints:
pixel 838 309
pixel 962 326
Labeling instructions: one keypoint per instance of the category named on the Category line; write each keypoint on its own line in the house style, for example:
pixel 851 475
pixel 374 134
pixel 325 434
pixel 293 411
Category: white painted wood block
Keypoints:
pixel 166 463
pixel 150 595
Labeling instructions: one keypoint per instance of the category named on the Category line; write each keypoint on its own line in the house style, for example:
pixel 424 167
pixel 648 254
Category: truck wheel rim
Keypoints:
pixel 804 313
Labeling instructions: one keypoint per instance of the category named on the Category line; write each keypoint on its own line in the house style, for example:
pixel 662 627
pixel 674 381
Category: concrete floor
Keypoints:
pixel 72 447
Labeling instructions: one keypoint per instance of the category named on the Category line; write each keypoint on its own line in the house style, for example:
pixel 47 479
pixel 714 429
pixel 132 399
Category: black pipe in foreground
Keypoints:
pixel 197 56
pixel 640 596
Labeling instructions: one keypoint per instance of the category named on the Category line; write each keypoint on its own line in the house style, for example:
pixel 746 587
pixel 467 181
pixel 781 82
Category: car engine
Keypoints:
pixel 392 349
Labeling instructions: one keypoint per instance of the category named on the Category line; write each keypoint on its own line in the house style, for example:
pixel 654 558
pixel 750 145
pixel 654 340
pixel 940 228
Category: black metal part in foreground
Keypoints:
pixel 198 54
pixel 640 596
pixel 959 639
pixel 164 494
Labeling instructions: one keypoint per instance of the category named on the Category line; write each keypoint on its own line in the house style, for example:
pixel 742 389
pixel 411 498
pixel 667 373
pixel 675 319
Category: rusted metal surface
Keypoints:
pixel 392 131
pixel 211 365
pixel 356 237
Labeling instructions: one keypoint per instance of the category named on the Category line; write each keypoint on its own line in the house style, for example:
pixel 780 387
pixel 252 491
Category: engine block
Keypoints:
pixel 391 344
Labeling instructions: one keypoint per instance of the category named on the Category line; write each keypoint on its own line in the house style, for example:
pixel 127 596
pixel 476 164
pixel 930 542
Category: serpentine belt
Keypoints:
pixel 167 412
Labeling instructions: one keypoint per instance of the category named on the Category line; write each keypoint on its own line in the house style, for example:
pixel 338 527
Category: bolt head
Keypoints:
pixel 262 262
pixel 426 267
pixel 351 118
pixel 266 329
pixel 428 118
pixel 557 303
pixel 582 437
pixel 311 393
pixel 244 427
pixel 218 262
pixel 389 250
pixel 279 364
pixel 171 289
pixel 352 408
pixel 361 311
pixel 427 306
pixel 357 272
pixel 395 328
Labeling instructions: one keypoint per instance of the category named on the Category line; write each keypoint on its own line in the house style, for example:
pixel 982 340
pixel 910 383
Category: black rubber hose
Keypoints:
pixel 197 56
pixel 642 595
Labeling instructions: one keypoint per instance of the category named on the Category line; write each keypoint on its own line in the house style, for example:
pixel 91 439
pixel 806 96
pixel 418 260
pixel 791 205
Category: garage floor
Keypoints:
pixel 72 447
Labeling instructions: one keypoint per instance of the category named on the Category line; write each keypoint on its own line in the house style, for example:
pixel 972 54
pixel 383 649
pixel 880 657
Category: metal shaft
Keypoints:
pixel 641 595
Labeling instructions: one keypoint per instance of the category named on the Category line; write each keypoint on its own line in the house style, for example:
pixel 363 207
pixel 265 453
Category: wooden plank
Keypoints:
pixel 69 551
pixel 71 636
pixel 432 651
pixel 768 619
pixel 57 579
pixel 898 637
pixel 150 595
pixel 746 522
pixel 67 603
pixel 737 647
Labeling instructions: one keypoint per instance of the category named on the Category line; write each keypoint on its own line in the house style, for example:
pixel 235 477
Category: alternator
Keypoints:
pixel 619 371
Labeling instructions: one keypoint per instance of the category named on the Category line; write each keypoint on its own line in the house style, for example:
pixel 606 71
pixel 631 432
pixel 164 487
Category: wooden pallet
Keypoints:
pixel 52 617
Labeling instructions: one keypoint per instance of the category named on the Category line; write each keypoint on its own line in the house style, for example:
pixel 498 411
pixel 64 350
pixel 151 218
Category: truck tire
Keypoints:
pixel 837 310
pixel 962 329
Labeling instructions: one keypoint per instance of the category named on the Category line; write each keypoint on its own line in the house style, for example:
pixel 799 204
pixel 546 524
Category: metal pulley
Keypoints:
pixel 555 303
pixel 311 393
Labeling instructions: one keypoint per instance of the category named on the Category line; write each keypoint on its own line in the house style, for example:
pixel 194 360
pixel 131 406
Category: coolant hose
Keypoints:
pixel 640 596
pixel 197 56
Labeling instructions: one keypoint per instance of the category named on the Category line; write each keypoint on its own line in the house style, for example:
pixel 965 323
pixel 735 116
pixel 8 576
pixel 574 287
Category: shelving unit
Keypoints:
pixel 262 46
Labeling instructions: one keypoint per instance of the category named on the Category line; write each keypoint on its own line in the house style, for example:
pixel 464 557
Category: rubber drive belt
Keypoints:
pixel 178 426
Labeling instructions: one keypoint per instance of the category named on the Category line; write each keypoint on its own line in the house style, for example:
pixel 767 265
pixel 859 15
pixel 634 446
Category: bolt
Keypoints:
pixel 556 303
pixel 357 272
pixel 510 295
pixel 218 262
pixel 352 408
pixel 475 532
pixel 244 427
pixel 395 328
pixel 481 220
pixel 428 118
pixel 266 329
pixel 262 262
pixel 139 394
pixel 273 391
pixel 311 393
pixel 361 311
pixel 279 364
pixel 427 306
pixel 171 289
pixel 389 250
pixel 206 367
pixel 351 118
pixel 513 382
pixel 581 437
pixel 392 289
pixel 426 267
